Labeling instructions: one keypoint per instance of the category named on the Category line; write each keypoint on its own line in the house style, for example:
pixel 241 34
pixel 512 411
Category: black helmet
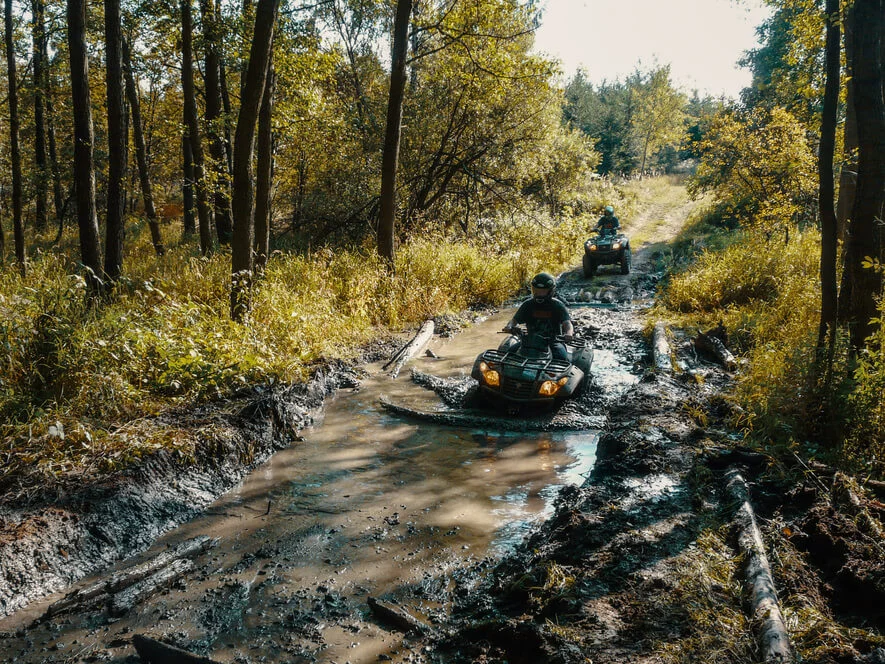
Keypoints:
pixel 544 280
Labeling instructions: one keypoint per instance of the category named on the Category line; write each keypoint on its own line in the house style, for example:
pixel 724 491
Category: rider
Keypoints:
pixel 544 315
pixel 608 221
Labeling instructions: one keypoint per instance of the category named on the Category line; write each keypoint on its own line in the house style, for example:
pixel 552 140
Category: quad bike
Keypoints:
pixel 609 247
pixel 523 372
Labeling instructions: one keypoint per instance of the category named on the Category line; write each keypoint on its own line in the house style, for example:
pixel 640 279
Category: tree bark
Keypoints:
pixel 144 177
pixel 228 142
pixel 114 229
pixel 214 121
pixel 244 143
pixel 864 239
pixel 826 190
pixel 14 149
pixel 774 641
pixel 58 198
pixel 84 171
pixel 264 176
pixel 848 171
pixel 38 33
pixel 192 124
pixel 187 187
pixel 390 155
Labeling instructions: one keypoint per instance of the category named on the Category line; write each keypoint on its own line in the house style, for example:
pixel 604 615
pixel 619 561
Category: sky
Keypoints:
pixel 702 40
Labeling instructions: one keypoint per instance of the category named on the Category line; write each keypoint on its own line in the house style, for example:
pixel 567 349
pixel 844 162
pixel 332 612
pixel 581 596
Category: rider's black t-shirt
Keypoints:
pixel 544 319
pixel 608 223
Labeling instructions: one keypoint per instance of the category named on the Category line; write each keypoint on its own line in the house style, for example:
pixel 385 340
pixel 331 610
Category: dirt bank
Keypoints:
pixel 60 537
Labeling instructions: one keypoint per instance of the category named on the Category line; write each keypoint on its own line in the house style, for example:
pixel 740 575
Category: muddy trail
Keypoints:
pixel 585 534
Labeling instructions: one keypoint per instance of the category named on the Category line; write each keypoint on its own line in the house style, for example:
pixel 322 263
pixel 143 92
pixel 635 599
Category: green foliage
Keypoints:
pixel 760 169
pixel 787 68
pixel 639 123
pixel 767 295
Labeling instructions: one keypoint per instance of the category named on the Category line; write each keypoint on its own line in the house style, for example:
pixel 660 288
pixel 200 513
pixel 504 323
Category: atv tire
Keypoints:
pixel 589 266
pixel 626 261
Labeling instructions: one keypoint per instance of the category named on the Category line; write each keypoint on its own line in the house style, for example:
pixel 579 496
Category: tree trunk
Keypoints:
pixel 214 120
pixel 144 177
pixel 84 172
pixel 390 156
pixel 38 32
pixel 848 171
pixel 58 198
pixel 244 142
pixel 192 124
pixel 864 239
pixel 14 150
pixel 114 229
pixel 826 193
pixel 187 187
pixel 264 176
pixel 228 143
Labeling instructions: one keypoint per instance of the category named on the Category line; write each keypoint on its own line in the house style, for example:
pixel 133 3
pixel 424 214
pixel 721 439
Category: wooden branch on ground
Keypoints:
pixel 774 642
pixel 875 487
pixel 396 355
pixel 152 651
pixel 125 600
pixel 712 346
pixel 397 617
pixel 661 348
pixel 99 592
pixel 415 346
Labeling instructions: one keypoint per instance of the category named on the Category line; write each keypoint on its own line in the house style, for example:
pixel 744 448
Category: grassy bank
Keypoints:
pixel 78 380
pixel 767 294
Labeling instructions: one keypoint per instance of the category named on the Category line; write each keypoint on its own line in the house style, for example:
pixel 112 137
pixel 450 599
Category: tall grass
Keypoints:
pixel 75 375
pixel 767 294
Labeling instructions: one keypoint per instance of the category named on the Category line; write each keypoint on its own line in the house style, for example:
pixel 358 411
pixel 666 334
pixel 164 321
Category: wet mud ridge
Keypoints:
pixel 54 540
pixel 644 561
pixel 585 585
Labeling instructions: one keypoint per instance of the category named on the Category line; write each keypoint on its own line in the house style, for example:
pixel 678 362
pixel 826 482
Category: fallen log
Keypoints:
pixel 712 346
pixel 397 617
pixel 719 458
pixel 415 346
pixel 126 599
pixel 99 592
pixel 843 492
pixel 661 348
pixel 152 651
pixel 774 643
pixel 477 421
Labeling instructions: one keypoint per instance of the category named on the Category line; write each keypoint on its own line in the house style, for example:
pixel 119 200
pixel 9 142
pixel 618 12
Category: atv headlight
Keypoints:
pixel 489 375
pixel 592 247
pixel 616 245
pixel 549 388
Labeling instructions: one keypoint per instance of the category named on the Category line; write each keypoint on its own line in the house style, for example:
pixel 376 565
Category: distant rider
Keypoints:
pixel 544 316
pixel 608 221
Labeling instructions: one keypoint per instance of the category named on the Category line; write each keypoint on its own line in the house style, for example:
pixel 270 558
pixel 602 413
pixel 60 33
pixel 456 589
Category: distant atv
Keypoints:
pixel 530 375
pixel 609 247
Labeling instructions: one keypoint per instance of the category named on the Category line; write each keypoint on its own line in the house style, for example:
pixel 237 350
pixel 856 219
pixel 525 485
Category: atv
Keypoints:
pixel 609 247
pixel 523 372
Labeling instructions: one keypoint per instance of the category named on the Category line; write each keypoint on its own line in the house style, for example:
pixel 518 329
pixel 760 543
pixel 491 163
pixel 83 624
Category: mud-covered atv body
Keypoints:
pixel 609 247
pixel 530 375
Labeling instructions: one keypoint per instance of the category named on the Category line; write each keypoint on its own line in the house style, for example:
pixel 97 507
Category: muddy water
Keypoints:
pixel 366 505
